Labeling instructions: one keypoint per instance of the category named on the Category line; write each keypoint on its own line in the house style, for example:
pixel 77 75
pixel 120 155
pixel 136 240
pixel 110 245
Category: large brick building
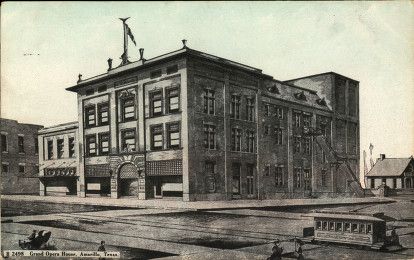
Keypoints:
pixel 19 157
pixel 201 127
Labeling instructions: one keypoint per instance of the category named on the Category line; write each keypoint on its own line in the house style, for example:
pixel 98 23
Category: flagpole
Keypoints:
pixel 125 54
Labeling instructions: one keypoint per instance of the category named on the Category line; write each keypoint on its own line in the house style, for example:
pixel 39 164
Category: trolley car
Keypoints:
pixel 351 228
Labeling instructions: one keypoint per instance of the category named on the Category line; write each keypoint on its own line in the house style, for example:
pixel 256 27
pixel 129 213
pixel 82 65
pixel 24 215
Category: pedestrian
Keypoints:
pixel 102 246
pixel 32 236
pixel 276 251
pixel 300 252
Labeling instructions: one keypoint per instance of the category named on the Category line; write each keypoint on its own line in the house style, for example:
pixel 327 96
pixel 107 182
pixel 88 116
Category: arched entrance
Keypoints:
pixel 128 180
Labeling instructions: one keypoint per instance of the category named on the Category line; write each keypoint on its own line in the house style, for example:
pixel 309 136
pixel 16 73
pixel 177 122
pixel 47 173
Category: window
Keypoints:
pixel 209 136
pixel 324 225
pixel 307 145
pixel 173 100
pixel 338 226
pixel 209 100
pixel 235 139
pixel 90 119
pixel 4 147
pixel 103 143
pixel 128 143
pixel 21 168
pixel 49 149
pixel 361 228
pixel 235 106
pixel 91 145
pixel 394 183
pixel 236 179
pixel 173 135
pixel 4 167
pixel 323 177
pixel 250 109
pixel 266 129
pixel 267 170
pixel 307 174
pixel 250 179
pixel 20 142
pixel 36 145
pixel 102 89
pixel 267 109
pixel 60 148
pixel 372 183
pixel 90 92
pixel 298 177
pixel 332 226
pixel 296 119
pixel 250 137
pixel 172 69
pixel 318 225
pixel 369 228
pixel 307 120
pixel 156 103
pixel 155 74
pixel 355 228
pixel 103 113
pixel 279 136
pixel 279 178
pixel 71 146
pixel 209 172
pixel 296 144
pixel 347 227
pixel 279 112
pixel 156 137
pixel 128 108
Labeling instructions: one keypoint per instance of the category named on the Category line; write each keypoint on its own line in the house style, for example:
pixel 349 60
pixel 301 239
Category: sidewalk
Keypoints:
pixel 197 205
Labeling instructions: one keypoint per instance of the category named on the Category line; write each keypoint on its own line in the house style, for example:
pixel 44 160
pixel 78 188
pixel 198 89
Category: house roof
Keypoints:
pixel 349 216
pixel 389 167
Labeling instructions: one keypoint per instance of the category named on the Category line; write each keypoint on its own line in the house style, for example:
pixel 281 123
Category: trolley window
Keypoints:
pixel 348 227
pixel 361 228
pixel 332 226
pixel 325 225
pixel 354 227
pixel 318 225
pixel 369 228
pixel 338 226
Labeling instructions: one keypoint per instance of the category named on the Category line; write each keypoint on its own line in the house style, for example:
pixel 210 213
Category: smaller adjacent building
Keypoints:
pixel 19 157
pixel 396 173
pixel 58 160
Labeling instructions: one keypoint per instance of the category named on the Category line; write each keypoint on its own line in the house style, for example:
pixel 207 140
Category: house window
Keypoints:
pixel 60 148
pixel 267 170
pixel 323 177
pixel 279 178
pixel 128 143
pixel 297 144
pixel 36 145
pixel 4 147
pixel 298 177
pixel 307 145
pixel 90 92
pixel 172 69
pixel 91 145
pixel 394 183
pixel 173 100
pixel 90 119
pixel 21 168
pixel 236 139
pixel 307 179
pixel 279 136
pixel 347 226
pixel 20 142
pixel 369 228
pixel 156 137
pixel 372 183
pixel 267 110
pixel 235 106
pixel 250 109
pixel 71 146
pixel 318 225
pixel 209 136
pixel 49 149
pixel 4 167
pixel 279 112
pixel 331 226
pixel 104 144
pixel 338 226
pixel 250 137
pixel 209 100
pixel 361 228
pixel 210 175
pixel 354 227
pixel 102 89
pixel 103 113
pixel 173 135
pixel 296 119
pixel 307 120
pixel 156 103
pixel 324 225
pixel 155 74
pixel 250 179
pixel 128 108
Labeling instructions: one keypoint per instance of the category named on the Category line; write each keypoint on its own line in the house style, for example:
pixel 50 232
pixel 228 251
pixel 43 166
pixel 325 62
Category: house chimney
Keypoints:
pixel 382 157
pixel 141 54
pixel 79 78
pixel 184 43
pixel 109 64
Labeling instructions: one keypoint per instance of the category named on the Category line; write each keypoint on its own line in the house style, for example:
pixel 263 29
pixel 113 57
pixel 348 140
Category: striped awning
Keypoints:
pixel 60 172
pixel 164 168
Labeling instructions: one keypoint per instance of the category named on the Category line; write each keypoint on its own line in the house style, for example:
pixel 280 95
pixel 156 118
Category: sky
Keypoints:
pixel 44 46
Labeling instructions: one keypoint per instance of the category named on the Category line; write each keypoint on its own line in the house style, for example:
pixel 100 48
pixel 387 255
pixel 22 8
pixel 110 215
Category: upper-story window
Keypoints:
pixel 279 135
pixel 296 119
pixel 157 137
pixel 102 88
pixel 71 147
pixel 90 92
pixel 128 108
pixel 250 109
pixel 20 142
pixel 297 144
pixel 172 69
pixel 209 136
pixel 4 147
pixel 155 74
pixel 90 119
pixel 36 145
pixel 279 112
pixel 60 148
pixel 250 138
pixel 156 103
pixel 307 145
pixel 267 108
pixel 236 139
pixel 235 107
pixel 49 149
pixel 91 145
pixel 128 143
pixel 103 113
pixel 103 143
pixel 173 135
pixel 4 167
pixel 209 99
pixel 307 120
pixel 173 100
pixel 21 168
